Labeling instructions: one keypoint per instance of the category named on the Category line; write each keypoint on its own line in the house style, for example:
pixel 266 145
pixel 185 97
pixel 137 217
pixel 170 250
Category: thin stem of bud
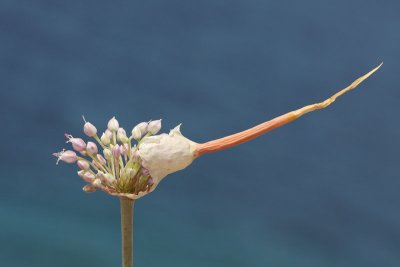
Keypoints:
pixel 114 141
pixel 99 141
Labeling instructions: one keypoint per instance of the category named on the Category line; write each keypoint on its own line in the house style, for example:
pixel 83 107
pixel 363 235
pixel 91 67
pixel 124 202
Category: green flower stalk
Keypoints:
pixel 131 167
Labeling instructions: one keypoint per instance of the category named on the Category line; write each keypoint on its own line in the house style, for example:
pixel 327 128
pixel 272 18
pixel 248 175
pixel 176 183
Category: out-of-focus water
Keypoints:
pixel 322 191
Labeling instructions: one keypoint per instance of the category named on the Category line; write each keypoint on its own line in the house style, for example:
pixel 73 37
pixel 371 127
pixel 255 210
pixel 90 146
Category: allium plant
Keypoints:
pixel 130 167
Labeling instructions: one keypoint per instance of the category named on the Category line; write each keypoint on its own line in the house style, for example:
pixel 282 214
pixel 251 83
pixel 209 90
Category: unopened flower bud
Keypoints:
pixel 89 188
pixel 83 165
pixel 97 182
pixel 88 177
pixel 107 153
pixel 122 150
pixel 154 126
pixel 91 148
pixel 113 124
pixel 101 159
pixel 89 129
pixel 105 139
pixel 136 133
pixel 81 173
pixel 124 139
pixel 121 131
pixel 143 127
pixel 108 133
pixel 115 151
pixel 121 135
pixel 67 156
pixel 77 143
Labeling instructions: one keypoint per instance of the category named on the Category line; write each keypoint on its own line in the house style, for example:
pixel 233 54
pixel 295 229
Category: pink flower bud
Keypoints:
pixel 113 124
pixel 101 159
pixel 67 156
pixel 122 150
pixel 116 152
pixel 91 148
pixel 108 133
pixel 154 126
pixel 89 188
pixel 77 143
pixel 89 129
pixel 83 165
pixel 88 177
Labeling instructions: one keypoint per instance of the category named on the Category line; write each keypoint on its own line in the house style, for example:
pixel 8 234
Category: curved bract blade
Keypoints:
pixel 249 134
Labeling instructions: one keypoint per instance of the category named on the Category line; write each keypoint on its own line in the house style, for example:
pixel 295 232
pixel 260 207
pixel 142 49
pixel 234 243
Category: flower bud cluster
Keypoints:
pixel 119 169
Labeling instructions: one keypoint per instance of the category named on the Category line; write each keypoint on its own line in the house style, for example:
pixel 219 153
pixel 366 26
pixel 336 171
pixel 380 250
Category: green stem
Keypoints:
pixel 127 231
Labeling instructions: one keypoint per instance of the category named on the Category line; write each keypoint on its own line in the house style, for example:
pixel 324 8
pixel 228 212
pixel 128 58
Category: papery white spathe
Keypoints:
pixel 166 153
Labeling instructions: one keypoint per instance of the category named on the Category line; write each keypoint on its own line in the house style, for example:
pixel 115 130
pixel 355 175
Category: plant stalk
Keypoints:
pixel 127 231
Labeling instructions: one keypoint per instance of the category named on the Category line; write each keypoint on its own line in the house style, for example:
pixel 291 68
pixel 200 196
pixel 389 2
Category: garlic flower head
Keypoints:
pixel 133 170
pixel 120 171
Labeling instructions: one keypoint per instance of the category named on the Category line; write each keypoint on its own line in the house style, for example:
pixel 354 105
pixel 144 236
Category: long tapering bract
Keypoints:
pixel 249 134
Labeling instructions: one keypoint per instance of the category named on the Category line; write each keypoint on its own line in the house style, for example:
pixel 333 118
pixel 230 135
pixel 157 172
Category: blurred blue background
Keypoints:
pixel 321 191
